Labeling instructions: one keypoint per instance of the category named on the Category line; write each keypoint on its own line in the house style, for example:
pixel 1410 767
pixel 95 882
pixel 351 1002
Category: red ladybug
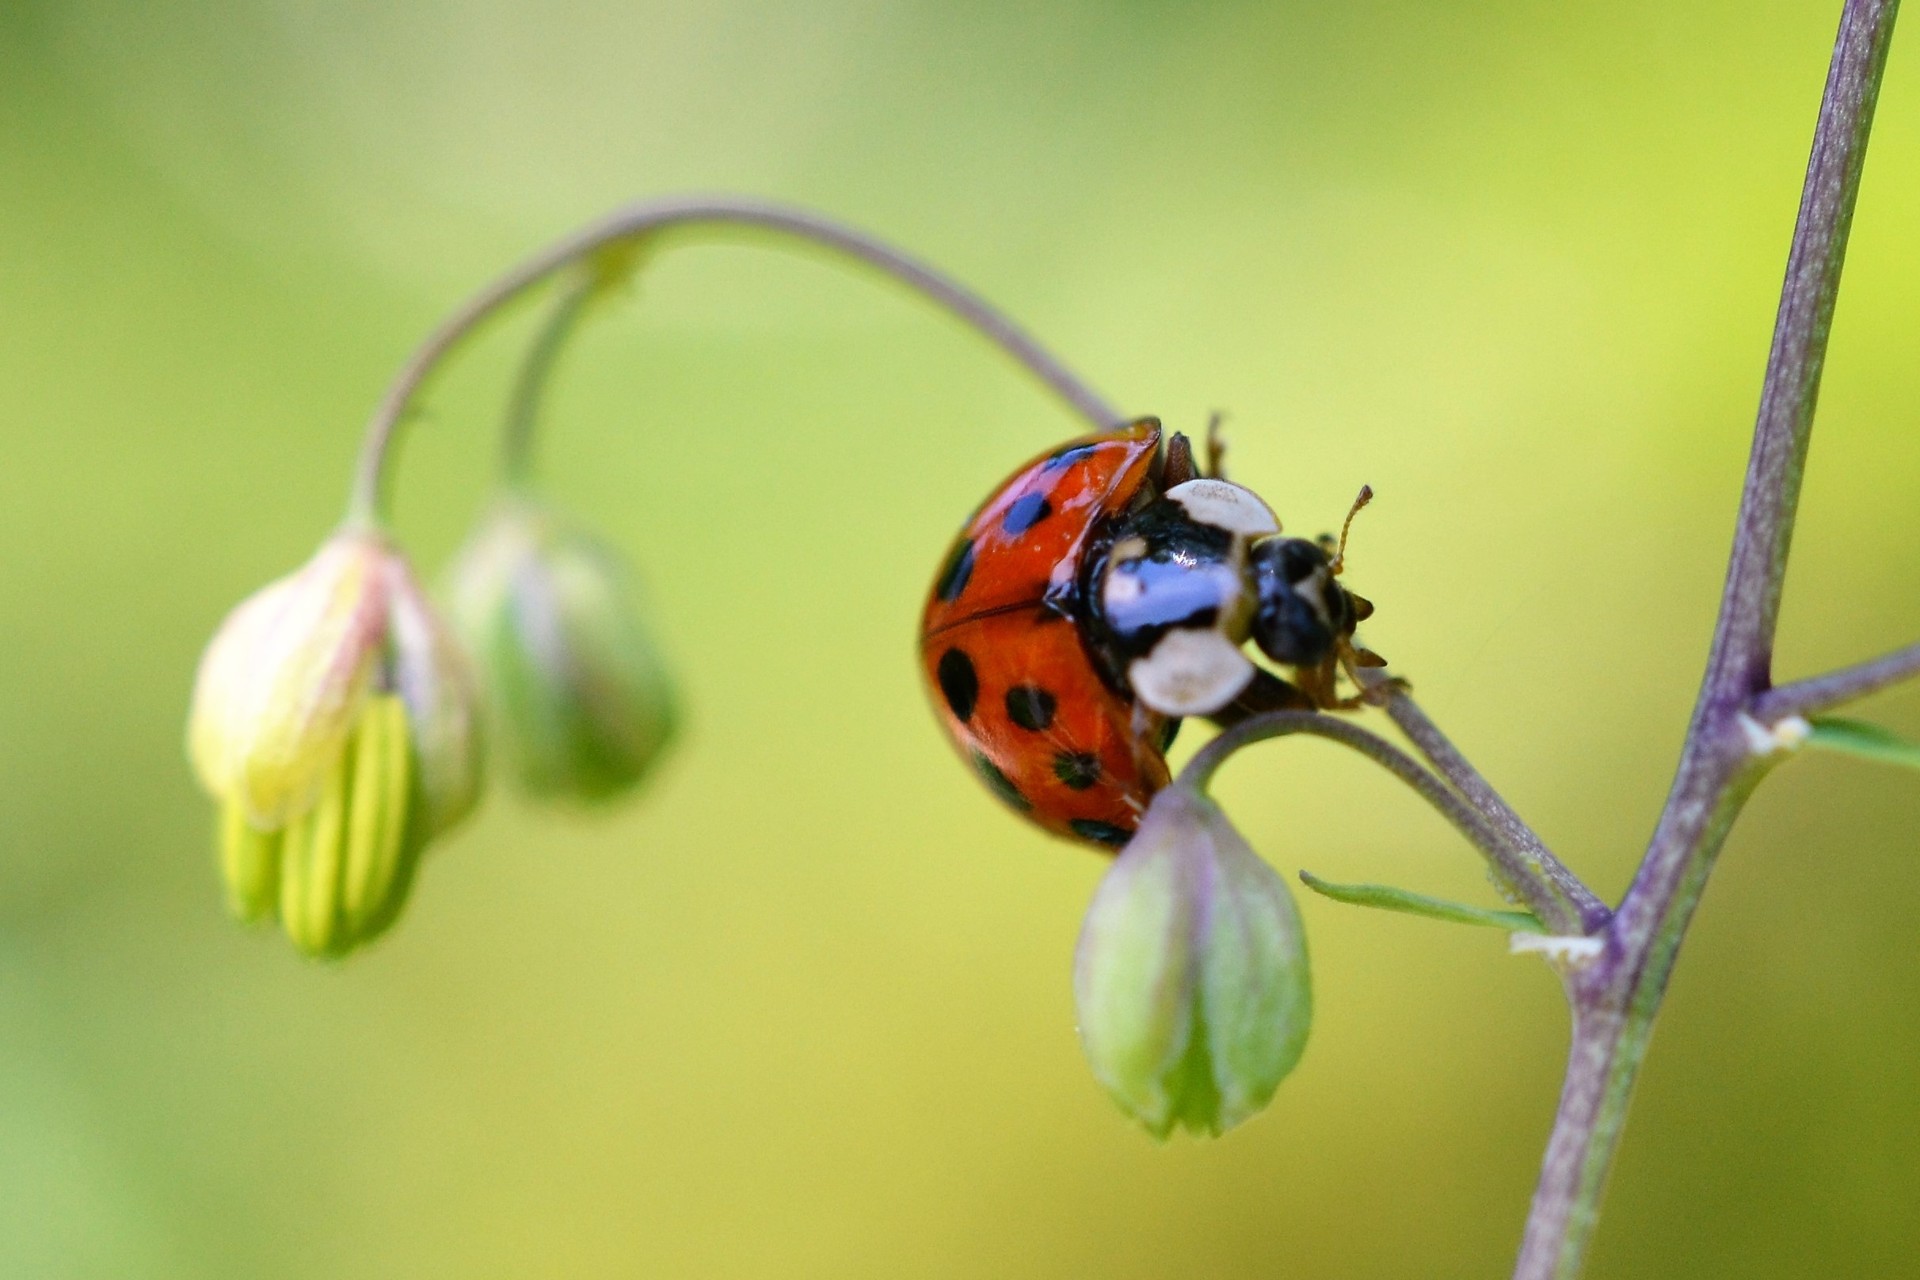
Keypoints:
pixel 1102 592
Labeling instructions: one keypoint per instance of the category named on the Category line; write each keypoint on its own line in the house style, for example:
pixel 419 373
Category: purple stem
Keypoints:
pixel 1543 895
pixel 1588 912
pixel 1809 697
pixel 1616 998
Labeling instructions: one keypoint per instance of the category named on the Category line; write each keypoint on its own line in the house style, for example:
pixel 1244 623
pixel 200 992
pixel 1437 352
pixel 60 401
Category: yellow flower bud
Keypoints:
pixel 280 684
pixel 333 722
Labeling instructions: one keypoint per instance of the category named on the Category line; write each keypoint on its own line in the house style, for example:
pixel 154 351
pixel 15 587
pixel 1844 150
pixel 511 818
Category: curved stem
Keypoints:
pixel 1467 780
pixel 1617 998
pixel 536 371
pixel 1541 896
pixel 628 226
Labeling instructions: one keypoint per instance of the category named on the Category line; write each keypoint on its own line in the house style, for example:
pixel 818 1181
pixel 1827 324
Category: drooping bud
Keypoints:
pixel 334 723
pixel 1191 977
pixel 431 674
pixel 282 680
pixel 551 613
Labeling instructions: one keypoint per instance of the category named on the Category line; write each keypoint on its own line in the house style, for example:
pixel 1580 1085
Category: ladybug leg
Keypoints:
pixel 1355 658
pixel 1318 681
pixel 1216 447
pixel 1267 692
pixel 1352 702
pixel 1179 466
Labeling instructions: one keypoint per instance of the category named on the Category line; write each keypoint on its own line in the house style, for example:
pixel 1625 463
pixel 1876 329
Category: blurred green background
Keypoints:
pixel 804 1010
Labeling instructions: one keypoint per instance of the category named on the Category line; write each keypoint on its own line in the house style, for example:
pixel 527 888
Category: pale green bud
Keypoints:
pixel 334 722
pixel 551 613
pixel 1191 977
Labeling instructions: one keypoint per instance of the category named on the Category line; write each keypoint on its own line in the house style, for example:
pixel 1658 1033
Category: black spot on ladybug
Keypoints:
pixel 1061 459
pixel 1104 832
pixel 954 574
pixel 1030 707
pixel 1077 769
pixel 1025 513
pixel 1000 784
pixel 959 683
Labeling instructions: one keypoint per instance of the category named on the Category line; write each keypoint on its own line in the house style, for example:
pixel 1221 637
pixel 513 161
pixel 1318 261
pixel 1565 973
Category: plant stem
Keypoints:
pixel 1821 693
pixel 536 370
pixel 1544 896
pixel 1750 605
pixel 632 224
pixel 1590 911
pixel 1616 999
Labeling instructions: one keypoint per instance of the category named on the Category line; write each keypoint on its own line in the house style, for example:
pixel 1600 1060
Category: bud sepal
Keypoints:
pixel 1191 978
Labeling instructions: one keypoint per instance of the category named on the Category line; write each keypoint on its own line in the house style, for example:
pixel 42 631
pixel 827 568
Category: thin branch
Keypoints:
pixel 1544 897
pixel 1737 669
pixel 1750 605
pixel 1618 997
pixel 652 218
pixel 1822 693
pixel 536 371
pixel 1456 769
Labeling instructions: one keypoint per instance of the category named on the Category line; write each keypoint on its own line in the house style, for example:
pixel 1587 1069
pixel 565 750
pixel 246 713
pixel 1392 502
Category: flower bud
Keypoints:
pixel 280 683
pixel 333 721
pixel 1191 977
pixel 582 700
pixel 432 676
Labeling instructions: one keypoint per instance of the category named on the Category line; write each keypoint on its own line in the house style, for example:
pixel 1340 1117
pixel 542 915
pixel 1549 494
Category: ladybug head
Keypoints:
pixel 1300 611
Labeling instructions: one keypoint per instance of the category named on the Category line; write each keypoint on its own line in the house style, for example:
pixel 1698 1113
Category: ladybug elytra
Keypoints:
pixel 1103 592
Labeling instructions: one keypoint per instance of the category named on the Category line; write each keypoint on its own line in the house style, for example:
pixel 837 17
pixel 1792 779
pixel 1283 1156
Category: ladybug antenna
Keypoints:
pixel 1340 555
pixel 1216 445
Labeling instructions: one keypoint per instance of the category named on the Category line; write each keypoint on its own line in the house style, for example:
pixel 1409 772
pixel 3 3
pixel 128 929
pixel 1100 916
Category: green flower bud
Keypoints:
pixel 582 701
pixel 1191 977
pixel 334 724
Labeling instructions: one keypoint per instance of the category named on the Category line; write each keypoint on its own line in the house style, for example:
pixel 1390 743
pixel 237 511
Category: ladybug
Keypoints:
pixel 1101 594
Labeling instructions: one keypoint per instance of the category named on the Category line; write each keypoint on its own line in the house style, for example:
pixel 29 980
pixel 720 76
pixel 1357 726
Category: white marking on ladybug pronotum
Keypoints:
pixel 1226 506
pixel 1190 673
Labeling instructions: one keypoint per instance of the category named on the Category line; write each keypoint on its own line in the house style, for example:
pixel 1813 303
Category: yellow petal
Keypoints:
pixel 212 725
pixel 299 673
